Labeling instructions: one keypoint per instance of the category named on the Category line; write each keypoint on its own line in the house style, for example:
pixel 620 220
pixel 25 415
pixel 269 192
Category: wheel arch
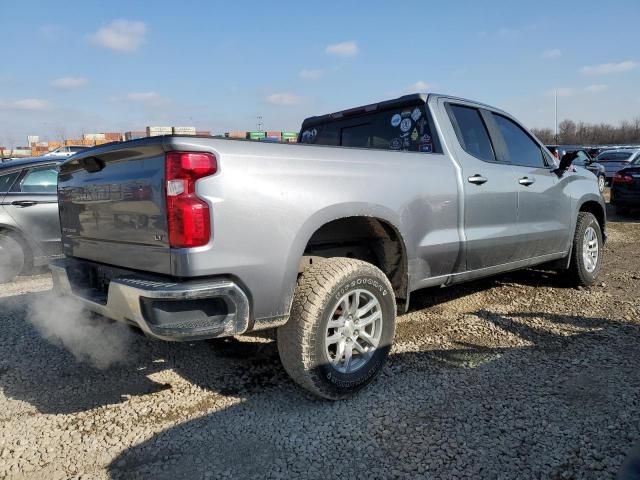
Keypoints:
pixel 351 230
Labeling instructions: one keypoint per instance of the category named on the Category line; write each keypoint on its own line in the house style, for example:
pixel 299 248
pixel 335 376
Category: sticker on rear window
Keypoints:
pixel 426 148
pixel 395 120
pixel 395 144
pixel 416 114
pixel 309 135
pixel 405 125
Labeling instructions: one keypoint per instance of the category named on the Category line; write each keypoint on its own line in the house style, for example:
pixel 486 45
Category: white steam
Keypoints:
pixel 62 321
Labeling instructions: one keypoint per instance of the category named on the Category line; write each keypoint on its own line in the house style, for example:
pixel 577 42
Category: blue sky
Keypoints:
pixel 86 66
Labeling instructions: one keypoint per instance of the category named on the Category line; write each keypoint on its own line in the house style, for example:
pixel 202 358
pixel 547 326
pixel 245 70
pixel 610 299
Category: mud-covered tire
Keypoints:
pixel 12 258
pixel 303 342
pixel 581 272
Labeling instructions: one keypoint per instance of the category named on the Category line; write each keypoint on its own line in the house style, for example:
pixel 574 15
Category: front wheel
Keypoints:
pixel 602 182
pixel 586 254
pixel 341 327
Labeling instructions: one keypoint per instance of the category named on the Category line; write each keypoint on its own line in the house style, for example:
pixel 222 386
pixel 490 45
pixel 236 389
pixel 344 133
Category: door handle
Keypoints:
pixel 477 179
pixel 24 203
pixel 526 181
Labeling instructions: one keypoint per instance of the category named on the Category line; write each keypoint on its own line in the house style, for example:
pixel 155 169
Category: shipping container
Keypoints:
pixel 93 136
pixel 31 139
pixel 256 135
pixel 113 136
pixel 156 131
pixel 236 134
pixel 134 135
pixel 203 133
pixel 273 134
pixel 184 130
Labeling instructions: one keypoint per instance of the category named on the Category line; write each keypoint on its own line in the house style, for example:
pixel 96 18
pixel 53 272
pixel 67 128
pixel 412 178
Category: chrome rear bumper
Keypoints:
pixel 163 309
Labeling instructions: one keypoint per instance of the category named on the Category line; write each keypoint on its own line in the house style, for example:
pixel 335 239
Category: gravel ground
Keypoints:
pixel 511 377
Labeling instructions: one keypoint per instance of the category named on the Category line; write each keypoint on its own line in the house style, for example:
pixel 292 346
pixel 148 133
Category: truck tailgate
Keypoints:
pixel 113 208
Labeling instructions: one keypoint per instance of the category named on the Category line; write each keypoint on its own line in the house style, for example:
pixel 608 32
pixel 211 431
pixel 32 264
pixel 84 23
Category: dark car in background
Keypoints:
pixel 625 187
pixel 583 159
pixel 29 221
pixel 616 160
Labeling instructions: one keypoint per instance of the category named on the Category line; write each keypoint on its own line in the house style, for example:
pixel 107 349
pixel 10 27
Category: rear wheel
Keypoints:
pixel 341 327
pixel 12 258
pixel 586 254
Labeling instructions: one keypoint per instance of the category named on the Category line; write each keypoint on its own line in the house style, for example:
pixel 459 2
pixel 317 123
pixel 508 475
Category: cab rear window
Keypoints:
pixel 407 129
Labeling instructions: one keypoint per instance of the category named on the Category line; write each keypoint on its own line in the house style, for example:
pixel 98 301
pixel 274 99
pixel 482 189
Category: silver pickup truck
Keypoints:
pixel 194 238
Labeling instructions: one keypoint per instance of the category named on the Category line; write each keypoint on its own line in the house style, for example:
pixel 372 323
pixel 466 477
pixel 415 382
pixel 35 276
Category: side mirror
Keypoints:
pixel 565 162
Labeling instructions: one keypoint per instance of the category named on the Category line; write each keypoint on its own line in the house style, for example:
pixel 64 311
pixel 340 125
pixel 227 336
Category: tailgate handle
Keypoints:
pixel 24 203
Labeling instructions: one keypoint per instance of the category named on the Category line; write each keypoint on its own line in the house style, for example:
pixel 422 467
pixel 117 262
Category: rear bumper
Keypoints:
pixel 174 311
pixel 623 197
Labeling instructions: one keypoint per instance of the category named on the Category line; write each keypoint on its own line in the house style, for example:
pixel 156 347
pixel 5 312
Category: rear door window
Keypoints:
pixel 521 148
pixel 472 132
pixel 406 129
pixel 7 180
pixel 38 180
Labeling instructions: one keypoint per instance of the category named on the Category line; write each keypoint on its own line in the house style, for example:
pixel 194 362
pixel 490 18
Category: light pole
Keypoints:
pixel 556 115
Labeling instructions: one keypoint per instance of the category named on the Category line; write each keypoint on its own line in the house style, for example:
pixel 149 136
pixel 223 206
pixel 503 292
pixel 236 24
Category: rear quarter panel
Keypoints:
pixel 267 200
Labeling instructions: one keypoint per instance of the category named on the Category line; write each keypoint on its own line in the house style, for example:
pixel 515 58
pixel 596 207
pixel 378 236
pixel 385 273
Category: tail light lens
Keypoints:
pixel 187 215
pixel 622 179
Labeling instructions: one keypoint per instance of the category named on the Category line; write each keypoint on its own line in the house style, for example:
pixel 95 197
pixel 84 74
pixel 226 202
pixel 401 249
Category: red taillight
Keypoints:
pixel 623 179
pixel 187 215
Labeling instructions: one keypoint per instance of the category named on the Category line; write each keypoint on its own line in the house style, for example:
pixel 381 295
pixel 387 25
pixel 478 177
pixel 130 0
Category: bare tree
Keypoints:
pixel 60 133
pixel 582 133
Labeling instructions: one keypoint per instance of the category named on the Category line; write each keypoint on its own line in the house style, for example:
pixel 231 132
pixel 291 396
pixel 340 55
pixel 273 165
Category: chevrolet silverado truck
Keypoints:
pixel 195 237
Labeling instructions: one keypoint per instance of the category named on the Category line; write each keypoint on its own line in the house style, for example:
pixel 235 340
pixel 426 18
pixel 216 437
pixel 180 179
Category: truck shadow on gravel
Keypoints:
pixel 471 408
pixel 49 377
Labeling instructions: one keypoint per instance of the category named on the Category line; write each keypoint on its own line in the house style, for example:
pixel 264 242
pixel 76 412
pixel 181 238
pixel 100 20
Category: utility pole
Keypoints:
pixel 556 115
pixel 260 125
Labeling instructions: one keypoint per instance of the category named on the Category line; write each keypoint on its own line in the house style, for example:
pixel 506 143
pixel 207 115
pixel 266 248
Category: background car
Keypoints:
pixel 29 222
pixel 625 187
pixel 65 151
pixel 583 159
pixel 616 160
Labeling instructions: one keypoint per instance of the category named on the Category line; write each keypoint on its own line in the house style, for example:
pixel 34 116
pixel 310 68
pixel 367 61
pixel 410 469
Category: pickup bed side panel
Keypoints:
pixel 267 200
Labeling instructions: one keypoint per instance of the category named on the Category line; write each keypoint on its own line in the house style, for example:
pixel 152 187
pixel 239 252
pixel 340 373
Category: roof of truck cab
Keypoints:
pixel 396 102
pixel 410 99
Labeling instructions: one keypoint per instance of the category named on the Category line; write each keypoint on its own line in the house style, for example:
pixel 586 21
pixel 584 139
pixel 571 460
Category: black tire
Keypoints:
pixel 579 273
pixel 12 258
pixel 302 341
pixel 602 183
